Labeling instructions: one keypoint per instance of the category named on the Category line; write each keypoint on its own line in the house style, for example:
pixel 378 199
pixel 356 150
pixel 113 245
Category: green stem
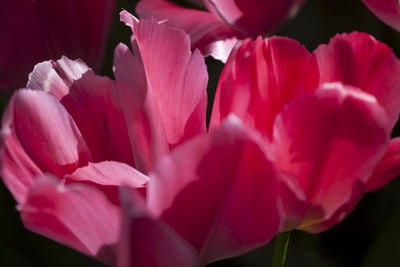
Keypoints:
pixel 280 249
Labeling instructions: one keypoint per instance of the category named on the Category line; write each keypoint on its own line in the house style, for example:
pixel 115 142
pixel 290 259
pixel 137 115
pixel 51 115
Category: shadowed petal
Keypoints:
pixel 387 10
pixel 388 168
pixel 54 142
pixel 146 241
pixel 329 140
pixel 232 189
pixel 359 60
pixel 78 216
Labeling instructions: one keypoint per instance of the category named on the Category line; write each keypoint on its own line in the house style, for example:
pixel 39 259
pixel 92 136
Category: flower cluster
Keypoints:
pixel 125 169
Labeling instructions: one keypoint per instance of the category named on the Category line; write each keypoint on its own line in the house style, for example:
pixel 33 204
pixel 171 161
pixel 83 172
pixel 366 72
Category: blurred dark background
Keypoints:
pixel 368 237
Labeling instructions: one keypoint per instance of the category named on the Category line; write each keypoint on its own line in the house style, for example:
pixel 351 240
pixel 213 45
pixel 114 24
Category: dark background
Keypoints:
pixel 368 237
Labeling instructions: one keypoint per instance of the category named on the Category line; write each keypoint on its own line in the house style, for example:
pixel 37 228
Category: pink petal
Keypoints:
pixel 359 60
pixel 260 77
pixel 18 171
pixel 93 103
pixel 168 84
pixel 387 10
pixel 329 141
pixel 108 176
pixel 146 241
pixel 47 133
pixel 388 168
pixel 45 29
pixel 78 216
pixel 146 134
pixel 95 106
pixel 56 77
pixel 224 201
pixel 254 17
pixel 207 33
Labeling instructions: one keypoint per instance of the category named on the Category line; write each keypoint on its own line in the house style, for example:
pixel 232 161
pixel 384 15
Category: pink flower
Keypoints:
pixel 213 197
pixel 387 10
pixel 216 32
pixel 72 138
pixel 43 29
pixel 325 119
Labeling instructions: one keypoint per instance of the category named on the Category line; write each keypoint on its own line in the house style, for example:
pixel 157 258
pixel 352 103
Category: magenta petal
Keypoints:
pixel 146 241
pixel 56 77
pixel 177 77
pixel 41 30
pixel 387 10
pixel 146 134
pixel 95 106
pixel 254 17
pixel 329 141
pixel 388 168
pixel 18 171
pixel 232 189
pixel 207 33
pixel 359 60
pixel 260 77
pixel 108 176
pixel 54 142
pixel 78 216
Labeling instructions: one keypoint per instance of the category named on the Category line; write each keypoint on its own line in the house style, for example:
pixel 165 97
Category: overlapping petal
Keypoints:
pixel 232 189
pixel 157 77
pixel 75 215
pixel 40 30
pixel 387 10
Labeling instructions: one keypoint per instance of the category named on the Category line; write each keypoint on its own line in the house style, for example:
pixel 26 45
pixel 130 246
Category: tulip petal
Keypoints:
pixel 329 140
pixel 146 134
pixel 54 142
pixel 232 189
pixel 108 176
pixel 78 216
pixel 387 10
pixel 146 241
pixel 255 17
pixel 56 77
pixel 357 59
pixel 49 29
pixel 388 168
pixel 260 77
pixel 17 169
pixel 207 33
pixel 171 69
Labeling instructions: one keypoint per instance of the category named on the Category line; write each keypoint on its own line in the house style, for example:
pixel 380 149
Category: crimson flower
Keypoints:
pixel 215 32
pixel 325 119
pixel 43 29
pixel 387 10
pixel 72 138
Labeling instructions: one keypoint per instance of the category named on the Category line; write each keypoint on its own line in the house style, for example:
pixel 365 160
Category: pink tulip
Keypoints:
pixel 71 139
pixel 215 196
pixel 325 118
pixel 216 32
pixel 44 29
pixel 387 10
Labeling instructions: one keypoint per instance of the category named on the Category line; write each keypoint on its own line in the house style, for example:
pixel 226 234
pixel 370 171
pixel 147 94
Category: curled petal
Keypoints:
pixel 78 216
pixel 240 209
pixel 54 142
pixel 146 241
pixel 207 33
pixel 329 141
pixel 388 168
pixel 108 176
pixel 387 10
pixel 357 59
